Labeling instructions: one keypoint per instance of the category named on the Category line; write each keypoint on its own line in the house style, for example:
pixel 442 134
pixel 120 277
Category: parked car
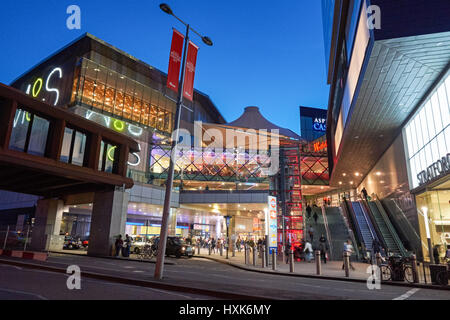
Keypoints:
pixel 176 247
pixel 137 244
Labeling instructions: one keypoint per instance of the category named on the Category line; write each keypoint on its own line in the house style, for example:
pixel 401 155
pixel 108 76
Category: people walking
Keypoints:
pixel 315 216
pixel 308 211
pixel 323 247
pixel 436 250
pixel 118 245
pixel 287 251
pixel 364 193
pixel 348 248
pixel 213 245
pixel 126 246
pixel 311 233
pixel 308 251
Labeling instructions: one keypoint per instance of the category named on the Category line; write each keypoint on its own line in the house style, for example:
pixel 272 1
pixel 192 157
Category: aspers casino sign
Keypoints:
pixel 438 169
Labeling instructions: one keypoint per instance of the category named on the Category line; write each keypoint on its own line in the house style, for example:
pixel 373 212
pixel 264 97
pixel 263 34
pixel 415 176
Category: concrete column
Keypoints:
pixel 109 216
pixel 47 225
pixel 172 223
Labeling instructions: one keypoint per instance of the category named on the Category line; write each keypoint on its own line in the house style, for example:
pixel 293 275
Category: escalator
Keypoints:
pixel 386 230
pixel 366 230
pixel 338 232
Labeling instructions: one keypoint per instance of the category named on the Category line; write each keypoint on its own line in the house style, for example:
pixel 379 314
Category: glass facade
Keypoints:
pixel 327 19
pixel 436 205
pixel 223 169
pixel 29 133
pixel 428 131
pixel 124 98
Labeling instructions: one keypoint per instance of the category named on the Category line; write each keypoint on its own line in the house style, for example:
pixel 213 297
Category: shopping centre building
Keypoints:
pixel 389 111
pixel 103 84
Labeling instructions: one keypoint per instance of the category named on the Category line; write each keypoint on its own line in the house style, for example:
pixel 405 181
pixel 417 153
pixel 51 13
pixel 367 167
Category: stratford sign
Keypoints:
pixel 434 171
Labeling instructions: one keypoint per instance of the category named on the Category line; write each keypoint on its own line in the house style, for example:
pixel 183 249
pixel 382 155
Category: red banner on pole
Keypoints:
pixel 191 61
pixel 173 76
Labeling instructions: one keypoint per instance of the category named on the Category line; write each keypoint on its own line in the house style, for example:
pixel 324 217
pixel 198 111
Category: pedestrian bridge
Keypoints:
pixel 52 152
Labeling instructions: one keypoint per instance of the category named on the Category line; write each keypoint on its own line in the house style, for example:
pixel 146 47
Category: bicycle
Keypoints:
pixel 147 252
pixel 401 269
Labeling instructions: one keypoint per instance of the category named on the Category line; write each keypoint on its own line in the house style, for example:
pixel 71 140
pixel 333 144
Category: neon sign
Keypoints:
pixel 36 88
pixel 319 146
pixel 319 124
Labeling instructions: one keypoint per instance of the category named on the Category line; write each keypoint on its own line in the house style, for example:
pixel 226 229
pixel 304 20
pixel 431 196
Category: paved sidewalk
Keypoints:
pixel 331 269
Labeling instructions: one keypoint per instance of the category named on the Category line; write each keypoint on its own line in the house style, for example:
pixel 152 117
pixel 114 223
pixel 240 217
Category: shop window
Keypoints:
pixel 38 136
pixel 73 149
pixel 29 133
pixel 19 131
pixel 108 157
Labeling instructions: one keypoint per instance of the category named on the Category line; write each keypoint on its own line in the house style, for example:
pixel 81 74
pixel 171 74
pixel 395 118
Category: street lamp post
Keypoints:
pixel 159 268
pixel 228 239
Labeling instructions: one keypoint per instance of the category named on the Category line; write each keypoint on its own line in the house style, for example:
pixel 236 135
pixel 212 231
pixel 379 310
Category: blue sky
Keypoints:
pixel 266 53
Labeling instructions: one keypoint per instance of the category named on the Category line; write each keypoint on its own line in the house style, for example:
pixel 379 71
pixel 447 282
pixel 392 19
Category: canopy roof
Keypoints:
pixel 253 119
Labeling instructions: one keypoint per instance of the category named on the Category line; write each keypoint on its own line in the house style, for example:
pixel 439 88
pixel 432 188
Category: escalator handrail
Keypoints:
pixel 365 218
pixel 352 221
pixel 378 232
pixel 345 215
pixel 388 223
pixel 327 230
pixel 369 223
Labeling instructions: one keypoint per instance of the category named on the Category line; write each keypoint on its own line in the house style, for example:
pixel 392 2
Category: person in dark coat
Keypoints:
pixel 364 193
pixel 118 245
pixel 323 247
pixel 315 216
pixel 287 250
pixel 376 246
pixel 308 211
pixel 436 254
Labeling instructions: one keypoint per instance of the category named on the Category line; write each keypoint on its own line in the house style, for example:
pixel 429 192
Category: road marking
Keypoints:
pixel 141 288
pixel 9 266
pixel 24 293
pixel 407 294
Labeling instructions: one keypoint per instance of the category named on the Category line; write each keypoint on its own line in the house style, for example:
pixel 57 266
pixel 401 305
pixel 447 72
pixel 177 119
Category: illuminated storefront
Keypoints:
pixel 427 148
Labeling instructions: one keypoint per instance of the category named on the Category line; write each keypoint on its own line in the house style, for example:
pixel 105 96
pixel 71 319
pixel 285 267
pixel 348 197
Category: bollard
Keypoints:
pixel 198 249
pixel 246 254
pixel 291 261
pixel 263 257
pixel 209 250
pixel 378 257
pixel 318 265
pixel 414 268
pixel 347 264
pixel 274 260
pixel 221 250
pixel 254 257
pixel 234 250
pixel 6 237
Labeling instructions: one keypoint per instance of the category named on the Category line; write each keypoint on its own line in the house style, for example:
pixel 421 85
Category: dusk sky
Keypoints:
pixel 266 53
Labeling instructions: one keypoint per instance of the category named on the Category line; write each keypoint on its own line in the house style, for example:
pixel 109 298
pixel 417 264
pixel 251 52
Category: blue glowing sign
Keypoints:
pixel 320 124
